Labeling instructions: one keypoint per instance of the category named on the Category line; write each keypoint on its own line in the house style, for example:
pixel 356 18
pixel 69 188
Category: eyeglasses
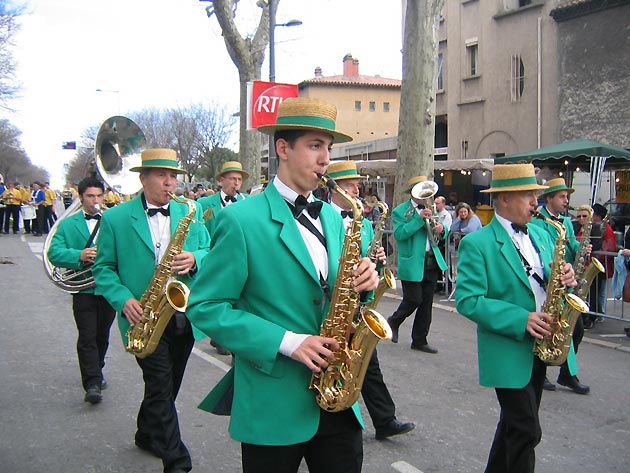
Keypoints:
pixel 582 216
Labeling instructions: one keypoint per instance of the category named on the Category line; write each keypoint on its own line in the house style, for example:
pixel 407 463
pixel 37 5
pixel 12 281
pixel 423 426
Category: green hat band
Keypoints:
pixel 556 189
pixel 159 163
pixel 515 181
pixel 345 172
pixel 307 120
pixel 224 170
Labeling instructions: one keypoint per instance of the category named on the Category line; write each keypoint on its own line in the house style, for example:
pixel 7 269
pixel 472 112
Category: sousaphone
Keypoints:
pixel 118 146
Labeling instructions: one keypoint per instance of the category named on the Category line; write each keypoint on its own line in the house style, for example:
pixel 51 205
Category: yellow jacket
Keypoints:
pixel 12 196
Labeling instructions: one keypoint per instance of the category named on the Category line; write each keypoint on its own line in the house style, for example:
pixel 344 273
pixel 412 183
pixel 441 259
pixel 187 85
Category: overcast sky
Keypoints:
pixel 161 53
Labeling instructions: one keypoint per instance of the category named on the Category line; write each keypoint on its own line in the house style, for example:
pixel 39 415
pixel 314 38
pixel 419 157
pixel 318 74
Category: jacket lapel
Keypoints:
pixel 139 223
pixel 289 233
pixel 508 251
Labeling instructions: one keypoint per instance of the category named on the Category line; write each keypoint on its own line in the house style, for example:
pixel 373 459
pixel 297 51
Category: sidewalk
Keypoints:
pixel 609 334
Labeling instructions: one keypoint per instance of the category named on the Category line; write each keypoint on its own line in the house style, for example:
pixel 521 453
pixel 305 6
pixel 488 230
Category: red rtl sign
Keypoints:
pixel 263 99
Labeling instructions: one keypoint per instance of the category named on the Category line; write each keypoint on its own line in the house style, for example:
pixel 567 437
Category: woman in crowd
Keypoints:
pixel 466 221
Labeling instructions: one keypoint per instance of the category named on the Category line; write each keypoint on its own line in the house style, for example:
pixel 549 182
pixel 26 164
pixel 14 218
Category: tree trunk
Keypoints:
pixel 416 128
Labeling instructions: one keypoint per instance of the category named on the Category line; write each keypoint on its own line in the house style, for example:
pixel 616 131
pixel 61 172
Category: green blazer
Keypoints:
pixel 411 235
pixel 214 202
pixel 68 242
pixel 268 285
pixel 125 261
pixel 494 292
pixel 572 243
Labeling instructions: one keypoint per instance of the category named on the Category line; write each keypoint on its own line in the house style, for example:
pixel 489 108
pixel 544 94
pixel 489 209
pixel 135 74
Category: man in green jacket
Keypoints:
pixel 73 247
pixel 281 249
pixel 133 240
pixel 376 396
pixel 230 177
pixel 501 287
pixel 556 198
pixel 419 264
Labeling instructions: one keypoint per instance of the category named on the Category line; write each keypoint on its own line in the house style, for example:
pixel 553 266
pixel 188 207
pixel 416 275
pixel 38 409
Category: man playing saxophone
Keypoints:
pixel 73 247
pixel 133 239
pixel 556 202
pixel 501 287
pixel 376 396
pixel 283 247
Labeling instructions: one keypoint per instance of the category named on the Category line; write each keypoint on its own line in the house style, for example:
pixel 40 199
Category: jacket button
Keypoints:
pixel 317 301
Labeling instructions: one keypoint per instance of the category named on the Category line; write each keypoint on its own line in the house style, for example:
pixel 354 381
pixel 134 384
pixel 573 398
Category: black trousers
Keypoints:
pixel 42 225
pixel 518 431
pixel 376 396
pixel 163 371
pixel 337 447
pixel 12 212
pixel 418 296
pixel 93 316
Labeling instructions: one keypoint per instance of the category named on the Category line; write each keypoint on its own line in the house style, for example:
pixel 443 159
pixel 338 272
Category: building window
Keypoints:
pixel 440 76
pixel 472 57
pixel 372 106
pixel 357 105
pixel 517 78
pixel 524 3
pixel 386 106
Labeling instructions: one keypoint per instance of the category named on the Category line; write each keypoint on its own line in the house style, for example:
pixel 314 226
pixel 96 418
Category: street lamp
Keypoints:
pixel 117 92
pixel 273 4
pixel 272 160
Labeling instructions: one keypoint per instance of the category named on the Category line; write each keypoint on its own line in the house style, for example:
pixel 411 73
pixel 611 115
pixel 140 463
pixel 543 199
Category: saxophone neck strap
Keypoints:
pixel 529 270
pixel 93 234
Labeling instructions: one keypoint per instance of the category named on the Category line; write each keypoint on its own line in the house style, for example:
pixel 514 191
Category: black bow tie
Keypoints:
pixel 163 211
pixel 347 213
pixel 313 208
pixel 229 198
pixel 95 217
pixel 519 228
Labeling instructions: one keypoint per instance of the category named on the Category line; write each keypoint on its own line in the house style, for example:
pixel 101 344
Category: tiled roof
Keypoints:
pixel 360 81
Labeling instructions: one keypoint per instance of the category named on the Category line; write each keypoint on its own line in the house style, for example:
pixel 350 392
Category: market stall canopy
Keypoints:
pixel 387 167
pixel 577 152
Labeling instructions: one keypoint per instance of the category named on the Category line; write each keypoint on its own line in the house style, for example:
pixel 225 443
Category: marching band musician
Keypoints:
pixel 501 287
pixel 556 198
pixel 73 247
pixel 12 197
pixel 376 396
pixel 231 179
pixel 132 241
pixel 283 248
pixel 419 264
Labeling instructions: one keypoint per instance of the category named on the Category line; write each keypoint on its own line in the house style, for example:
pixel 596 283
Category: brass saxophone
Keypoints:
pixel 565 308
pixel 356 328
pixel 165 294
pixel 584 275
pixel 387 279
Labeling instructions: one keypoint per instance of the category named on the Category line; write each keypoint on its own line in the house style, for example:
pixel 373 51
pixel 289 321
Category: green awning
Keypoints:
pixel 578 152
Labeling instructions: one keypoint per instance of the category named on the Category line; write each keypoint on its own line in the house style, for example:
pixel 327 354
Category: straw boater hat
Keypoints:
pixel 229 166
pixel 413 181
pixel 344 170
pixel 303 113
pixel 513 178
pixel 159 158
pixel 555 185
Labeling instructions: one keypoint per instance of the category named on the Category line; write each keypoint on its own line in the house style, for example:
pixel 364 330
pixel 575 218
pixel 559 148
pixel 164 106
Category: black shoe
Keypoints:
pixel 548 385
pixel 425 348
pixel 146 446
pixel 394 427
pixel 394 328
pixel 93 395
pixel 573 383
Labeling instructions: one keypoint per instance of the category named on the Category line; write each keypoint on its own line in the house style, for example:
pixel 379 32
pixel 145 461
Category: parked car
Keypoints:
pixel 618 214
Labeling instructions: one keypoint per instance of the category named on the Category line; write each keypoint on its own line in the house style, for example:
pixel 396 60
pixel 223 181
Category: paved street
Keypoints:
pixel 46 426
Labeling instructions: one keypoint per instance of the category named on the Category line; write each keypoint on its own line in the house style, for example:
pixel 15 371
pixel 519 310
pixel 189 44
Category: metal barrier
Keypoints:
pixel 617 311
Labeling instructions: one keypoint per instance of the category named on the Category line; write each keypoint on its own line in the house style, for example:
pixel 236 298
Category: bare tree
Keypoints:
pixel 248 54
pixel 8 29
pixel 14 163
pixel 416 128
